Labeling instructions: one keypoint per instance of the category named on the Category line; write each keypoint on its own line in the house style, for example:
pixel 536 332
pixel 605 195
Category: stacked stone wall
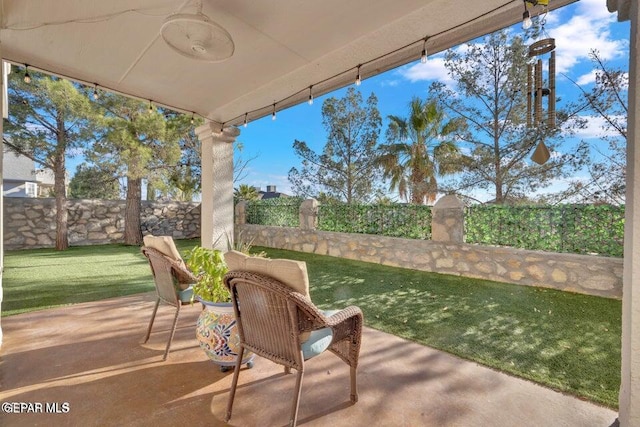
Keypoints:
pixel 31 223
pixel 445 253
pixel 592 275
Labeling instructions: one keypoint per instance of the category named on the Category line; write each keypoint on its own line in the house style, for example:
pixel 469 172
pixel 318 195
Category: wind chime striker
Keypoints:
pixel 536 91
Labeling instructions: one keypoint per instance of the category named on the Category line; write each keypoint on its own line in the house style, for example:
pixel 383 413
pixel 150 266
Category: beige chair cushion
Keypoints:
pixel 289 272
pixel 163 244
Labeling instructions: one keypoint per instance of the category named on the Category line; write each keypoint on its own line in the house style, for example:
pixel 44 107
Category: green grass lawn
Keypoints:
pixel 566 341
pixel 43 278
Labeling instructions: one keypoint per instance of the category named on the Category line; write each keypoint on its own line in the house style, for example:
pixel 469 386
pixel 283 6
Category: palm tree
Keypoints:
pixel 417 150
pixel 246 192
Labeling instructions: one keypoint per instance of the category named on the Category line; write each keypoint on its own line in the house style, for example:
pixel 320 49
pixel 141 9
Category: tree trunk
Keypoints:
pixel 62 240
pixel 60 188
pixel 132 229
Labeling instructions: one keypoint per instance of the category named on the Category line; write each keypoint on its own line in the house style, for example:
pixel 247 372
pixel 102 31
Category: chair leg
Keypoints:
pixel 296 399
pixel 153 316
pixel 354 386
pixel 234 384
pixel 173 331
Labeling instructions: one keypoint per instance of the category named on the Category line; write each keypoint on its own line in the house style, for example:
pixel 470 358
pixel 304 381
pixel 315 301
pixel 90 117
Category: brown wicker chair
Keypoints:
pixel 273 321
pixel 172 280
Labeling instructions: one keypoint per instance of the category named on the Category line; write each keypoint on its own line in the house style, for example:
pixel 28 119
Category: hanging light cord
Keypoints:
pixel 244 116
pixel 358 67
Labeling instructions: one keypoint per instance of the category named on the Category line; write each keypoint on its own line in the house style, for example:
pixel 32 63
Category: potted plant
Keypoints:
pixel 216 328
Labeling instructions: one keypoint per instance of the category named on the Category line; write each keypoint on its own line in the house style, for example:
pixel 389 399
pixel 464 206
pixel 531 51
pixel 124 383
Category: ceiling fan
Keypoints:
pixel 196 36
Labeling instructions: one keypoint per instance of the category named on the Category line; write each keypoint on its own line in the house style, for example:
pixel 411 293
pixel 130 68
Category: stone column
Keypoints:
pixel 241 212
pixel 447 222
pixel 309 214
pixel 629 400
pixel 217 185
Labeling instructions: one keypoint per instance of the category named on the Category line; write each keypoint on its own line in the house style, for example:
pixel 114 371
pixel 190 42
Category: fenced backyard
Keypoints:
pixel 569 342
pixel 579 229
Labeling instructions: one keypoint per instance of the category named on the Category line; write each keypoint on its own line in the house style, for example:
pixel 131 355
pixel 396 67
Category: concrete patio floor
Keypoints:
pixel 90 356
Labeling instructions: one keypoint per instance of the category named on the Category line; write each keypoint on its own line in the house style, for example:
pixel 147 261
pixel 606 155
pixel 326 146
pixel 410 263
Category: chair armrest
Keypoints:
pixel 182 273
pixel 345 322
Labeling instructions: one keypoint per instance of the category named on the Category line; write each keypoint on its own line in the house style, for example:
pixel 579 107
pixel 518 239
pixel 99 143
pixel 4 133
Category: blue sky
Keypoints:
pixel 577 28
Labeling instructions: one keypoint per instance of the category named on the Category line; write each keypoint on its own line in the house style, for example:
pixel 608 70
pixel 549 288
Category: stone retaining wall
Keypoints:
pixel 593 275
pixel 31 223
pixel 445 253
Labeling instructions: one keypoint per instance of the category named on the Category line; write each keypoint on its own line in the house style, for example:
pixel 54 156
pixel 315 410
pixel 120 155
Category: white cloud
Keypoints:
pixel 433 69
pixel 587 30
pixel 389 83
pixel 595 128
pixel 587 79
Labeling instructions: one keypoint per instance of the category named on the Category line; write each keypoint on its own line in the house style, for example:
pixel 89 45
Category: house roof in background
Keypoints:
pixel 16 167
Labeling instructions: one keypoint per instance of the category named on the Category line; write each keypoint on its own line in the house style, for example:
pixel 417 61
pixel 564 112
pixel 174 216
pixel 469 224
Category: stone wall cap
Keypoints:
pixel 449 202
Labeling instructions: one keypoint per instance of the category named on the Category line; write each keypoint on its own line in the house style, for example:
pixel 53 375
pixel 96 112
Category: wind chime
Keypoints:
pixel 535 84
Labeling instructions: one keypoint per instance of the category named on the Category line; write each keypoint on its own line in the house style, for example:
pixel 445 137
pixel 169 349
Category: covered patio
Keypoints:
pixel 90 356
pixel 283 52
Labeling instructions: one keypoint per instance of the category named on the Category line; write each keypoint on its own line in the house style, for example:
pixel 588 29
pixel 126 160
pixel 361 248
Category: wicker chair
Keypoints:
pixel 172 280
pixel 284 326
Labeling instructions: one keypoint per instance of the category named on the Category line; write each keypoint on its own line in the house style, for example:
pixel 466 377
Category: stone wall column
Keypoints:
pixel 217 184
pixel 447 222
pixel 629 400
pixel 241 212
pixel 309 214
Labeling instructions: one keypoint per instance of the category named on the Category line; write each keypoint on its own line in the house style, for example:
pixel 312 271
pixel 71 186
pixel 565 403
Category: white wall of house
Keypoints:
pixel 21 178
pixel 19 188
pixel 18 175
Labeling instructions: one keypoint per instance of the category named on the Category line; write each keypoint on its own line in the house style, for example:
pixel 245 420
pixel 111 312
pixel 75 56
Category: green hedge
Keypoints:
pixel 409 221
pixel 581 229
pixel 282 212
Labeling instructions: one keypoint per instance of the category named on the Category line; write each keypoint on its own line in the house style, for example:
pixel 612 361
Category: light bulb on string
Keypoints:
pixel 150 106
pixel 193 120
pixel 310 95
pixel 27 77
pixel 526 20
pixel 273 115
pixel 358 77
pixel 245 119
pixel 96 95
pixel 423 56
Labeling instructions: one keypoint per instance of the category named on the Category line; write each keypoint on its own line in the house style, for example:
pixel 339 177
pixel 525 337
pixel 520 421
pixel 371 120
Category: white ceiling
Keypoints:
pixel 281 46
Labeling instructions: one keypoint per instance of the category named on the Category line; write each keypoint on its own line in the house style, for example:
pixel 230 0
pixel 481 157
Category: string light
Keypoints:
pixel 285 101
pixel 311 95
pixel 526 16
pixel 526 19
pixel 193 120
pixel 96 95
pixel 27 77
pixel 245 119
pixel 296 96
pixel 423 57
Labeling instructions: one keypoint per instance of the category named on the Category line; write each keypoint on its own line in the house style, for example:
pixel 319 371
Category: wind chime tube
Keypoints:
pixel 552 91
pixel 529 95
pixel 538 100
